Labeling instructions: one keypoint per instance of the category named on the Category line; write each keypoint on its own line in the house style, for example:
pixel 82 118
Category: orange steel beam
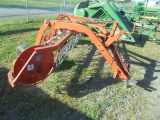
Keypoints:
pixel 98 25
pixel 101 41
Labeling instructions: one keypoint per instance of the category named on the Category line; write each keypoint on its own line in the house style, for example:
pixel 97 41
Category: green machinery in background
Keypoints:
pixel 148 15
pixel 142 12
pixel 109 11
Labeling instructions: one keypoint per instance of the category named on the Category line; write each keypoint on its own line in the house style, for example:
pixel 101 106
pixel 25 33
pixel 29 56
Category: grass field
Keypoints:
pixel 38 3
pixel 82 88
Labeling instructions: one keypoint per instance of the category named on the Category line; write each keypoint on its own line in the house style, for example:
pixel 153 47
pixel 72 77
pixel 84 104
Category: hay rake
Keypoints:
pixel 54 41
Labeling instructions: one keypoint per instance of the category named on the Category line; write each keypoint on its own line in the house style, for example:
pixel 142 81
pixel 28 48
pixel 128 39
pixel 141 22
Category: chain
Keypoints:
pixel 67 47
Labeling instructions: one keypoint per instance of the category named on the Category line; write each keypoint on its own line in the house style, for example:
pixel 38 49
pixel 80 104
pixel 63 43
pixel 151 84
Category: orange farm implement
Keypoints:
pixel 55 39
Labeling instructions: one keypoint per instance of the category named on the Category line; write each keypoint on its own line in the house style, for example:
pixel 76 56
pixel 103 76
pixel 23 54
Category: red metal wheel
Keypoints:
pixel 32 67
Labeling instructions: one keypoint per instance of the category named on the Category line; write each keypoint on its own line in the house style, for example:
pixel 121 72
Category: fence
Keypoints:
pixel 28 8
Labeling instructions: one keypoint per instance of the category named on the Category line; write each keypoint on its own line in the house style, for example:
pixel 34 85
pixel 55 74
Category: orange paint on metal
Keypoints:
pixel 41 32
pixel 31 67
pixel 113 29
pixel 36 63
pixel 112 39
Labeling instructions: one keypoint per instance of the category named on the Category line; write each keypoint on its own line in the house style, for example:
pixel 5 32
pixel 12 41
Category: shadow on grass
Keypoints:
pixel 92 83
pixel 140 40
pixel 149 68
pixel 32 103
pixel 18 31
pixel 66 65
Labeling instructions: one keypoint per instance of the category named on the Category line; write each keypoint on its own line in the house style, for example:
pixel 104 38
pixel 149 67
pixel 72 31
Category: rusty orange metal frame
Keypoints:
pixel 36 63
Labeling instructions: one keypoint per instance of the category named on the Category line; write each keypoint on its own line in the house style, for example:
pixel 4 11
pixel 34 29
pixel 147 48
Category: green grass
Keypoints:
pixel 16 32
pixel 38 3
pixel 82 87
